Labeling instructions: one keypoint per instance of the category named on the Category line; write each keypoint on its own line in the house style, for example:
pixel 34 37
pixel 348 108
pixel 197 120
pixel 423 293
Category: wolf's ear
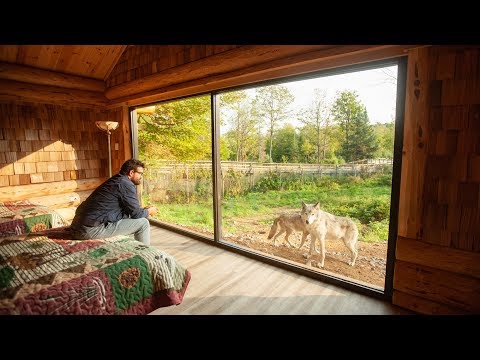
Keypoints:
pixel 304 205
pixel 317 205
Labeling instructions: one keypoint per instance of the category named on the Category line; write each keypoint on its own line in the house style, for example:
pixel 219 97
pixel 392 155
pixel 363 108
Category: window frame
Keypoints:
pixel 387 293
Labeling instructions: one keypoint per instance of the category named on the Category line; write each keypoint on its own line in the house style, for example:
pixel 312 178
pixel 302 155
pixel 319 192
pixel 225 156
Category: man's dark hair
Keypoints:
pixel 131 164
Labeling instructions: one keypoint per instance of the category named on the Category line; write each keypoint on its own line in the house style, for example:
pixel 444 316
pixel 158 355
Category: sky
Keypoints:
pixel 376 89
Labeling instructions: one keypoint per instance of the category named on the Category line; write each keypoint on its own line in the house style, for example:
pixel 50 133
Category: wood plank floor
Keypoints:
pixel 226 283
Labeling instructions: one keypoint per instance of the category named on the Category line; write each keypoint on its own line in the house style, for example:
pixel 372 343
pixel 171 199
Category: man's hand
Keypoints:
pixel 152 210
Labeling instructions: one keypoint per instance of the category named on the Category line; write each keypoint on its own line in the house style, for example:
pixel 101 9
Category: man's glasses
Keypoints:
pixel 139 172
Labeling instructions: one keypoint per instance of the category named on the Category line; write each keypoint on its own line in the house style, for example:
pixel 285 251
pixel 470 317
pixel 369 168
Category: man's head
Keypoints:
pixel 133 168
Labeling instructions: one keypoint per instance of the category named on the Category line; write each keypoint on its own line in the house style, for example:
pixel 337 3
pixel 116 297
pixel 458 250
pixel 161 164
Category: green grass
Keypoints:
pixel 366 201
pixel 199 216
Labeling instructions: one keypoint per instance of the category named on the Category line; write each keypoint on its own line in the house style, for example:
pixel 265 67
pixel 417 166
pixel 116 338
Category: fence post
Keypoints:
pixel 252 177
pixel 187 184
pixel 223 182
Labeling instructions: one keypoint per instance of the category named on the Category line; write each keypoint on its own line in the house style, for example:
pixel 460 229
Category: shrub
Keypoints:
pixel 375 231
pixel 373 210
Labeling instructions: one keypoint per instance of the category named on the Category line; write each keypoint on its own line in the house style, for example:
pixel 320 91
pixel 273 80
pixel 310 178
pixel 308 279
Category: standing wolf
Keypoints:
pixel 322 225
pixel 288 223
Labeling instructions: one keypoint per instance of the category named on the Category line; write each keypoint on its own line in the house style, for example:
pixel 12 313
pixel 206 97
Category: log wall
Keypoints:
pixel 438 247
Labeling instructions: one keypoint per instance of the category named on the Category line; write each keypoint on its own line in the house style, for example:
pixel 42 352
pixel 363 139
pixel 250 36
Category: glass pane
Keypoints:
pixel 174 139
pixel 326 142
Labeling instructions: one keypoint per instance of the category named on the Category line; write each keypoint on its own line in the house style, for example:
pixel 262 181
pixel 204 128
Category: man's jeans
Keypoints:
pixel 139 227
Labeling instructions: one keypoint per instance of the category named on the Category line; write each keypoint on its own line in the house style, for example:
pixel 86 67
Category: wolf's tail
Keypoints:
pixel 273 229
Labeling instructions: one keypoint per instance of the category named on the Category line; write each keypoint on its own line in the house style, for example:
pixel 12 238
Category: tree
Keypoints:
pixel 385 134
pixel 390 76
pixel 285 148
pixel 178 130
pixel 237 109
pixel 359 138
pixel 272 104
pixel 363 144
pixel 317 117
pixel 307 150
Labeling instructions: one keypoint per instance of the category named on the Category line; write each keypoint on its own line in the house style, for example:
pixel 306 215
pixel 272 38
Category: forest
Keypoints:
pixel 260 125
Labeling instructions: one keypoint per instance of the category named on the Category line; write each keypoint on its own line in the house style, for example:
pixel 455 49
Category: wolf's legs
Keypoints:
pixel 304 237
pixel 315 248
pixel 289 231
pixel 312 244
pixel 354 253
pixel 282 230
pixel 322 249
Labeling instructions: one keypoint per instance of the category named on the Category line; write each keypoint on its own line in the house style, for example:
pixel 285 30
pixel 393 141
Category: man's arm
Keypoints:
pixel 130 201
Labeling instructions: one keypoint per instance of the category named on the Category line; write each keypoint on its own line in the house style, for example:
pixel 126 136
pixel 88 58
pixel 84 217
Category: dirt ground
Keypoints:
pixel 369 267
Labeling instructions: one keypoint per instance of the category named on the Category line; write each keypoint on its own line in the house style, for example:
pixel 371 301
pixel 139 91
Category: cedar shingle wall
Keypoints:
pixel 452 177
pixel 45 143
pixel 439 223
pixel 55 155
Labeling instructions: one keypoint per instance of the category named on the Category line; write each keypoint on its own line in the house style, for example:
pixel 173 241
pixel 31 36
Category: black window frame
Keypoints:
pixel 387 292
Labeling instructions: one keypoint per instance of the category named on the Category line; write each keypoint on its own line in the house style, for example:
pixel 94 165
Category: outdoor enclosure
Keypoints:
pixel 186 176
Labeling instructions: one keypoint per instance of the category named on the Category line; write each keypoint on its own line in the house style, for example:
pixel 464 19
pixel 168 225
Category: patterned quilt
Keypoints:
pixel 47 273
pixel 23 217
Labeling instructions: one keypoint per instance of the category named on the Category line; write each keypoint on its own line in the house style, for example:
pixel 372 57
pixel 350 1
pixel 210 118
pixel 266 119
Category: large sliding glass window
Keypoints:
pixel 317 154
pixel 174 139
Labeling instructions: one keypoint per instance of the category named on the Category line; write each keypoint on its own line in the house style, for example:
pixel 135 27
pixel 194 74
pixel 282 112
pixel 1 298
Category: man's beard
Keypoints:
pixel 136 182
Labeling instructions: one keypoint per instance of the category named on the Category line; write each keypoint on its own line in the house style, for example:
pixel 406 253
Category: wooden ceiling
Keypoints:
pixel 89 61
pixel 130 75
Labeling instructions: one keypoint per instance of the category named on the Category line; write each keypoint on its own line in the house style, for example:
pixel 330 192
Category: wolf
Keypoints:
pixel 322 225
pixel 288 223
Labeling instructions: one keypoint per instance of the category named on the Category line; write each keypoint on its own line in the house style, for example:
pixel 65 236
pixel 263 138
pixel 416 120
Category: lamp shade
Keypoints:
pixel 106 126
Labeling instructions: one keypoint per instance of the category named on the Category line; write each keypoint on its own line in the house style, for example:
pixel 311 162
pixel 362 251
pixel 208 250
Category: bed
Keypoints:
pixel 24 217
pixel 46 272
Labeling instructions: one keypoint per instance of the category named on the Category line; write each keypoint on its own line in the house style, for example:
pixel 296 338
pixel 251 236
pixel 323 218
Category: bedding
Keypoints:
pixel 48 273
pixel 23 217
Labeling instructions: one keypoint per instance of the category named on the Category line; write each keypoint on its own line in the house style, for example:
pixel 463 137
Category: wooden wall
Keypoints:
pixel 54 154
pixel 437 266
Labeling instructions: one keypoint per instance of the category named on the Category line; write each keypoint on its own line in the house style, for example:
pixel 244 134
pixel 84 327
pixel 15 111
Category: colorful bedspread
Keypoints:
pixel 47 273
pixel 23 217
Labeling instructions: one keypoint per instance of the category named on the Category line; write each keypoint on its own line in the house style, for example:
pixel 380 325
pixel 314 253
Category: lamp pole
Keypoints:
pixel 109 155
pixel 108 126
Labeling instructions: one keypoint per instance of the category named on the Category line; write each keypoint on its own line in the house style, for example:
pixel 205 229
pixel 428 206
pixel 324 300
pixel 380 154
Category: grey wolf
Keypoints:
pixel 322 225
pixel 288 223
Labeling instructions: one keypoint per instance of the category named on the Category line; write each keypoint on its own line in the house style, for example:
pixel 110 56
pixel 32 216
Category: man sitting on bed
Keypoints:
pixel 113 208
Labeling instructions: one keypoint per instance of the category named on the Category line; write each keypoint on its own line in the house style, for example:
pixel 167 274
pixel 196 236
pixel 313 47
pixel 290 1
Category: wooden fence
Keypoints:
pixel 169 181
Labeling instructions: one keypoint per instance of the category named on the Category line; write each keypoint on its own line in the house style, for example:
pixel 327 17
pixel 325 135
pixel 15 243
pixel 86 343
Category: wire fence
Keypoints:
pixel 171 181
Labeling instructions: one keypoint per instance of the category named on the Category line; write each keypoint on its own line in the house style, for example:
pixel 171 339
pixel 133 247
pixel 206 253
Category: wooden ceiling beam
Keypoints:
pixel 117 57
pixel 38 76
pixel 292 65
pixel 217 64
pixel 20 91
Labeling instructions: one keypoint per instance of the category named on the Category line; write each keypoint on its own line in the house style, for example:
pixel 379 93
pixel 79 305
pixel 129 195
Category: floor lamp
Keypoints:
pixel 108 126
